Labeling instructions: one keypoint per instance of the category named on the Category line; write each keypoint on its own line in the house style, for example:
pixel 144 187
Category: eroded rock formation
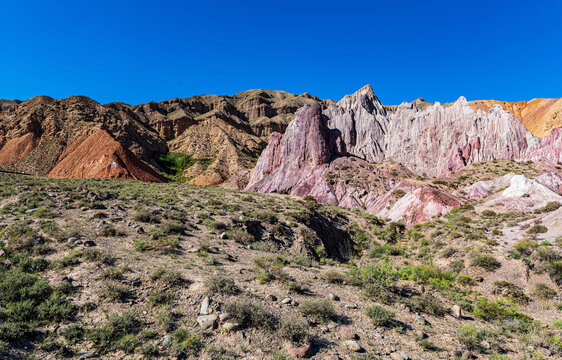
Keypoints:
pixel 357 132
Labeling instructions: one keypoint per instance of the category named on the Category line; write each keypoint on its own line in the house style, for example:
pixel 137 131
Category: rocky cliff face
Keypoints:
pixel 358 131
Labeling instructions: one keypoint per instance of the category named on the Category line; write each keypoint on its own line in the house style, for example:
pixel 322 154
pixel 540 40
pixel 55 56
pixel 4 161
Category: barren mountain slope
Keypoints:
pixel 539 116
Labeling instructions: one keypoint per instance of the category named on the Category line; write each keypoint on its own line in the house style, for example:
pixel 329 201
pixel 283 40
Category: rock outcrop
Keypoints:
pixel 358 131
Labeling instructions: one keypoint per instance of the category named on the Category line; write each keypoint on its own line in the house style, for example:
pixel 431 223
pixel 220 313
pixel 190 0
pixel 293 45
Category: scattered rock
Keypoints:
pixel 89 243
pixel 270 297
pixel 333 297
pixel 350 306
pixel 87 355
pixel 166 340
pixel 230 326
pixel 207 322
pixel 224 316
pixel 456 310
pixel 286 301
pixel 300 351
pixel 421 334
pixel 352 345
pixel 205 306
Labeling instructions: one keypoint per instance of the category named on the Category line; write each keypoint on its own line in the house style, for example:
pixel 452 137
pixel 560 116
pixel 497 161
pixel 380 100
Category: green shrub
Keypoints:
pixel 249 314
pixel 293 329
pixel 488 214
pixel 427 303
pixel 116 328
pixel 466 280
pixel 160 298
pixel 509 290
pixel 333 277
pixel 473 337
pixel 185 344
pixel 147 217
pixel 497 310
pixel 19 236
pixel 551 206
pixel 486 262
pixel 221 284
pixel 543 291
pixel 537 229
pixel 116 292
pixel 319 310
pixel 167 277
pixel 220 353
pixel 379 315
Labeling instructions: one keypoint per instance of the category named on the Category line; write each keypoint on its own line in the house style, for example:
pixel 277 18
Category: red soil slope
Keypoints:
pixel 17 148
pixel 101 156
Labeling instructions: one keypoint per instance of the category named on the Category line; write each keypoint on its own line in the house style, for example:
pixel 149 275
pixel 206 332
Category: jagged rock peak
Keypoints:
pixel 365 94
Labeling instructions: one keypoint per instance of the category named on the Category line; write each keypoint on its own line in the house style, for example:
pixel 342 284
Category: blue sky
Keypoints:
pixel 137 51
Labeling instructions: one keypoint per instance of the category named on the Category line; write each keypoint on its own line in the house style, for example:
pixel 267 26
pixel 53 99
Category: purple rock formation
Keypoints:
pixel 331 155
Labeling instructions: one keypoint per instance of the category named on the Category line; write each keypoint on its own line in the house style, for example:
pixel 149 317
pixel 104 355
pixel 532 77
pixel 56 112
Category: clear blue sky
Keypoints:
pixel 137 51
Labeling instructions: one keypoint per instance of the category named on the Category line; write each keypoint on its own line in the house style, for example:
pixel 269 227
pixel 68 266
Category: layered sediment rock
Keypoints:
pixel 358 131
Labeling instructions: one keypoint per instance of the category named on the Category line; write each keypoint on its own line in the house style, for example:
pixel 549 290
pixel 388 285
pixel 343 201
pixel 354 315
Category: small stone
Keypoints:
pixel 352 345
pixel 286 301
pixel 377 335
pixel 87 355
pixel 230 326
pixel 421 319
pixel 224 316
pixel 72 240
pixel 101 223
pixel 396 356
pixel 332 325
pixel 300 351
pixel 456 310
pixel 223 236
pixel 207 322
pixel 333 297
pixel 166 340
pixel 350 306
pixel 75 284
pixel 205 306
pixel 89 243
pixel 421 334
pixel 270 297
pixel 294 302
